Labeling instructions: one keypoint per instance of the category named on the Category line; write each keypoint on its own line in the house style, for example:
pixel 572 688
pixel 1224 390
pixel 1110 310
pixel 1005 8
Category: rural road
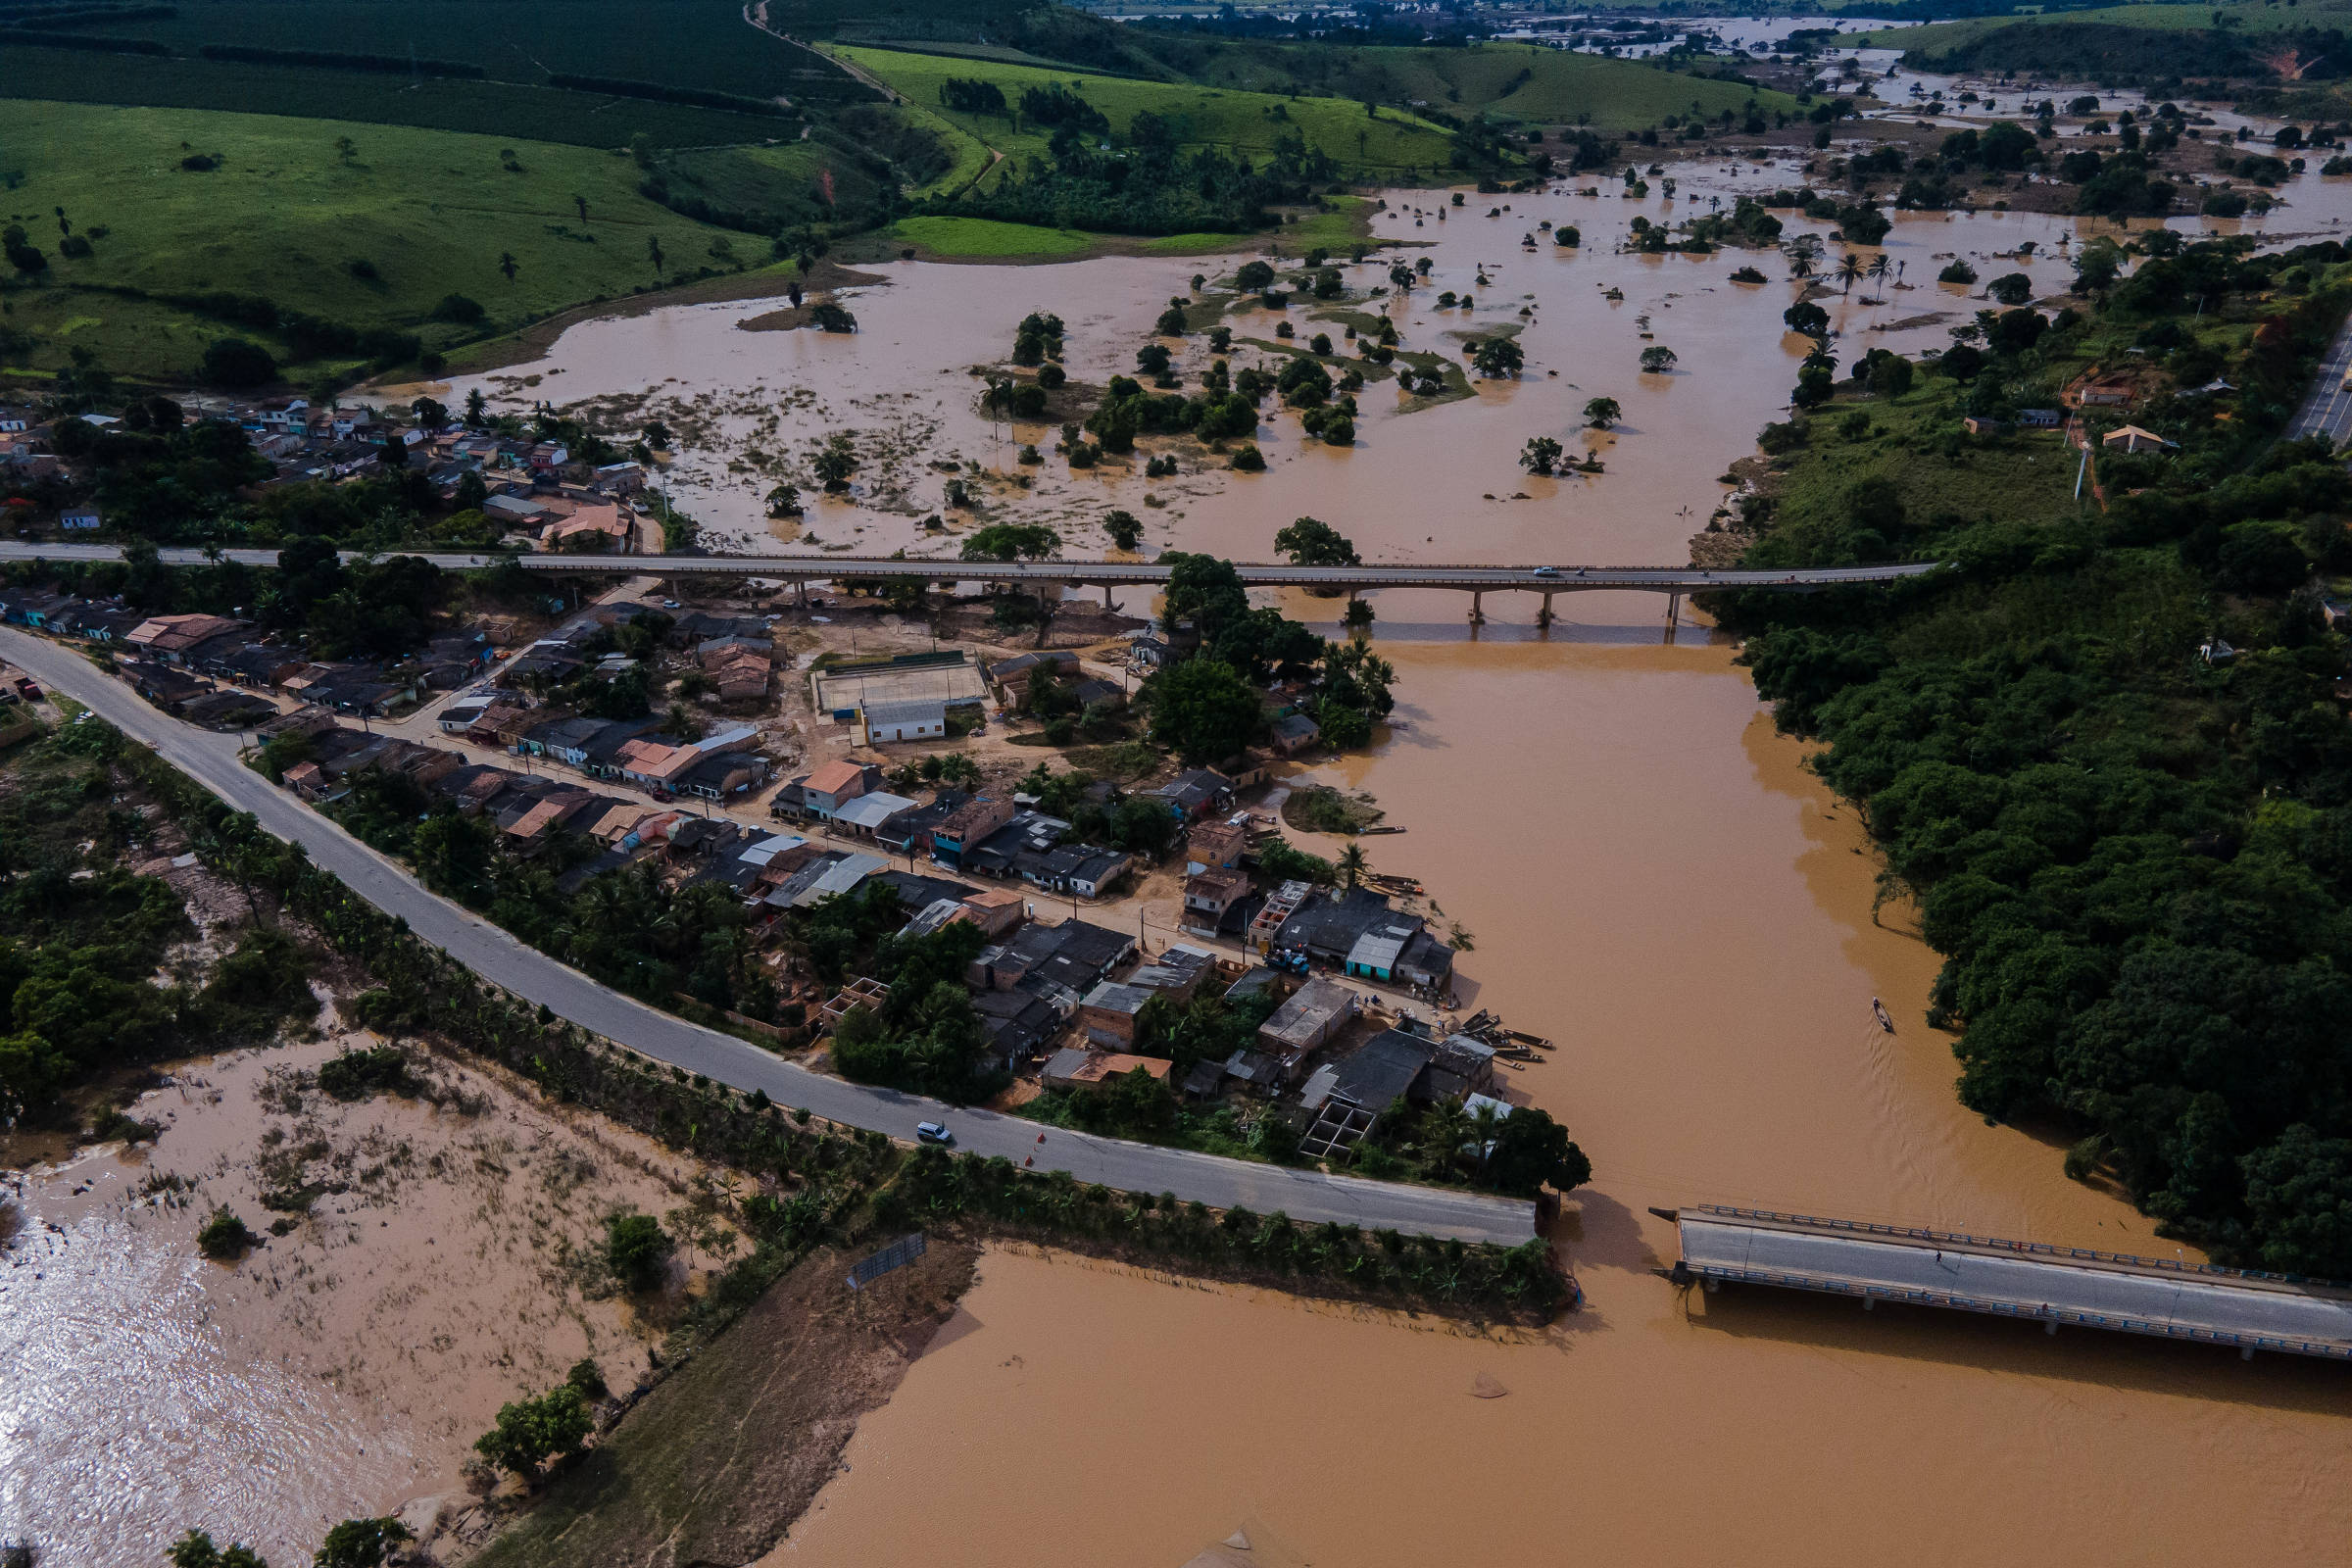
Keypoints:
pixel 497 957
pixel 1092 573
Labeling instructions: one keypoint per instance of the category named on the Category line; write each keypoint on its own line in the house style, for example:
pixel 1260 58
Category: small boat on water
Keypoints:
pixel 1885 1018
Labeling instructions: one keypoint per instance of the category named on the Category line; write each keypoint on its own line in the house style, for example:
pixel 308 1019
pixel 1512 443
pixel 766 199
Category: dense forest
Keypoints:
pixel 2106 750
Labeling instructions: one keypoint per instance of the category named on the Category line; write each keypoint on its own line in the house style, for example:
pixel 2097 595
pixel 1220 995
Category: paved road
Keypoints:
pixel 2327 408
pixel 1305 1196
pixel 1100 573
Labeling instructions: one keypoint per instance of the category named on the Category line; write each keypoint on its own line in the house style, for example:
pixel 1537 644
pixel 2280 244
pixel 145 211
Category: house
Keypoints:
pixel 654 765
pixel 1375 953
pixel 2131 438
pixel 1008 678
pixel 78 517
pixel 618 480
pixel 1098 868
pixel 834 785
pixel 502 724
pixel 1308 1021
pixel 1089 1069
pixel 2106 395
pixel 171 637
pixel 515 511
pixel 1176 973
pixel 866 816
pixel 2040 418
pixel 1108 1013
pixel 1209 894
pixel 1983 425
pixel 1460 1066
pixel 1193 793
pixel 909 832
pixel 1019 1024
pixel 742 678
pixel 1390 1066
pixel 995 909
pixel 1215 846
pixel 968 826
pixel 1266 926
pixel 920 719
pixel 462 715
pixel 719 775
pixel 1295 733
pixel 1071 957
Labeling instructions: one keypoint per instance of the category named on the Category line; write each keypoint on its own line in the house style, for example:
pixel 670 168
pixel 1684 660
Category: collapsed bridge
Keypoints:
pixel 2166 1299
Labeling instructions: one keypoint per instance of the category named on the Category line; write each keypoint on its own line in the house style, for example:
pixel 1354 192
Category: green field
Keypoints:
pixel 1522 83
pixel 438 103
pixel 286 213
pixel 1394 145
pixel 692 43
pixel 976 238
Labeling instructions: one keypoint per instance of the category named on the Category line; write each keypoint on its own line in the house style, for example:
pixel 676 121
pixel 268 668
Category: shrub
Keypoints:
pixel 637 1250
pixel 225 1238
pixel 236 362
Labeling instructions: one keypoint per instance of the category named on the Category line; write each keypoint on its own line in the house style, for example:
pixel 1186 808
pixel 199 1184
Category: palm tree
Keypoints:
pixel 1800 266
pixel 1879 268
pixel 1351 865
pixel 1849 270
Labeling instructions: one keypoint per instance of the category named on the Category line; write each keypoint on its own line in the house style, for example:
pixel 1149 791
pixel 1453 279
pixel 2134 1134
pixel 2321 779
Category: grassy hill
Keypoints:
pixel 287 214
pixel 1939 37
pixel 1391 146
pixel 1521 83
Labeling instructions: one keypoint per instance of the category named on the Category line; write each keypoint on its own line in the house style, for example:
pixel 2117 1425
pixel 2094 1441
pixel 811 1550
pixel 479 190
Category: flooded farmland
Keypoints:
pixel 1652 879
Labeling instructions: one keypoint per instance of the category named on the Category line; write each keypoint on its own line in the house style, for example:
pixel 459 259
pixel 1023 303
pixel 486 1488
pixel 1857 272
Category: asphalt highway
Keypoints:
pixel 1305 1196
pixel 2327 408
pixel 1092 573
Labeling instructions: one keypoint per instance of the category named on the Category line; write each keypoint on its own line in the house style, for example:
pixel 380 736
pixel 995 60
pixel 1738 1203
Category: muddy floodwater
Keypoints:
pixel 1651 879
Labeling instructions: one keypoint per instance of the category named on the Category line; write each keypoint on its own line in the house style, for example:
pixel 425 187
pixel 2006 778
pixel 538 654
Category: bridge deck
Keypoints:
pixel 2018 1279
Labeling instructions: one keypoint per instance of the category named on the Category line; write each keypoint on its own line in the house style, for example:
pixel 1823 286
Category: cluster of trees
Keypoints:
pixel 927 1037
pixel 82 939
pixel 1207 708
pixel 2136 860
pixel 1145 185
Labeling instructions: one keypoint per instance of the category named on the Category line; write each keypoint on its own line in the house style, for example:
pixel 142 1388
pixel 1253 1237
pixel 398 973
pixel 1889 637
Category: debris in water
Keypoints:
pixel 1483 1386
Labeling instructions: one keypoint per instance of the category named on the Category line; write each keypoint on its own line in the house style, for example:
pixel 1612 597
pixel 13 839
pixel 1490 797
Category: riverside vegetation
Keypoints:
pixel 2106 750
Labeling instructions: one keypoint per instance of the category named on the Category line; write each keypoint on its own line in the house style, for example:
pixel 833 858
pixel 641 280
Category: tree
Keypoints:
pixel 784 500
pixel 637 1249
pixel 1203 709
pixel 2299 1190
pixel 360 1543
pixel 195 1549
pixel 1657 359
pixel 1807 318
pixel 530 1432
pixel 2012 288
pixel 1351 865
pixel 225 1238
pixel 1849 272
pixel 508 264
pixel 1125 531
pixel 653 250
pixel 1309 542
pixel 1013 541
pixel 1531 1151
pixel 1540 455
pixel 1601 412
pixel 835 461
pixel 1253 276
pixel 1497 357
pixel 236 362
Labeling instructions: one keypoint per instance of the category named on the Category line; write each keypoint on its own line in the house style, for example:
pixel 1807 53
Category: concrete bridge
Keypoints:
pixel 803 570
pixel 2048 1284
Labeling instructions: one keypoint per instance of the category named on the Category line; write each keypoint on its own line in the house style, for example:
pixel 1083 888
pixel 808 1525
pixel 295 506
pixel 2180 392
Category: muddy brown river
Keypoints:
pixel 1653 880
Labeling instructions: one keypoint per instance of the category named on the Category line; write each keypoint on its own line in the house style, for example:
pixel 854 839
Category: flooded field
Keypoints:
pixel 449 1262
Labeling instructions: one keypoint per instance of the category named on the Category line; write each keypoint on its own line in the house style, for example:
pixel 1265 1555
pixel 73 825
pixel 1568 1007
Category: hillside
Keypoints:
pixel 372 235
pixel 1391 146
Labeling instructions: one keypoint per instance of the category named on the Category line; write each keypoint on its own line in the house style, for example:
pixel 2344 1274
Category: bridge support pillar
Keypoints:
pixel 2245 1352
pixel 1543 615
pixel 2050 1326
pixel 1478 612
pixel 1674 608
pixel 1713 1285
pixel 1870 1303
pixel 800 590
pixel 1107 604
